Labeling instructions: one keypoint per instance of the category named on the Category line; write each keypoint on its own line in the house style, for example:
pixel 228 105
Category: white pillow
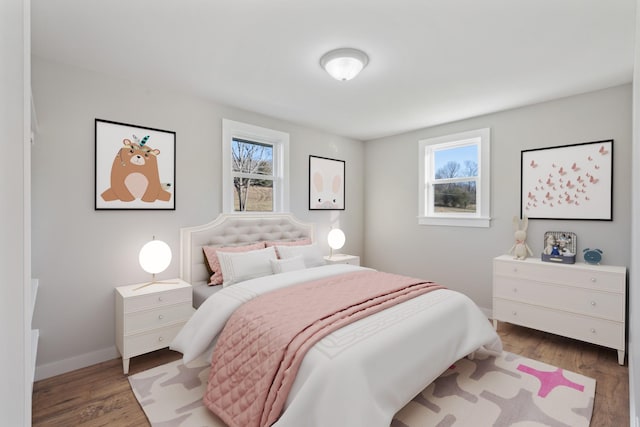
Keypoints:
pixel 288 264
pixel 311 253
pixel 239 266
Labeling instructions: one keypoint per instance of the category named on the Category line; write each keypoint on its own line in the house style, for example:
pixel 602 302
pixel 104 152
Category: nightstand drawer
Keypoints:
pixel 157 318
pixel 137 344
pixel 604 305
pixel 157 299
pixel 597 331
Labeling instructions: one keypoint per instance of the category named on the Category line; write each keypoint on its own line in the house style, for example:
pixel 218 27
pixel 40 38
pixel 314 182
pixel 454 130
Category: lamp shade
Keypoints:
pixel 155 256
pixel 336 238
pixel 344 63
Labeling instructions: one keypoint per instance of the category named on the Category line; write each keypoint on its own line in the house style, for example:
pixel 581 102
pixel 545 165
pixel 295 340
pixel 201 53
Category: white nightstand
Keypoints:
pixel 149 317
pixel 343 259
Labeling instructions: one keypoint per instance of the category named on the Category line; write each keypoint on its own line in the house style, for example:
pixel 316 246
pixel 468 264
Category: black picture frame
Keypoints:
pixel 568 182
pixel 326 183
pixel 135 167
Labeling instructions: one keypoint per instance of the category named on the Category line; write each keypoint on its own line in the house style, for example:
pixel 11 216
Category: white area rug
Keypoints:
pixel 487 391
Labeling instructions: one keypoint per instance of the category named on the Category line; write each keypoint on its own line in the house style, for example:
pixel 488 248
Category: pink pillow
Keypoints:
pixel 210 252
pixel 305 241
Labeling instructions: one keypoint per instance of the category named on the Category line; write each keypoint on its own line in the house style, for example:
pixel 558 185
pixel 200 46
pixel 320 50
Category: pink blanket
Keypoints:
pixel 262 345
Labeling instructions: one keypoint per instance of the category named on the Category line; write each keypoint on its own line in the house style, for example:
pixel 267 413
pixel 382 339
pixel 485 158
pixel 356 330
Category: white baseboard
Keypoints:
pixel 633 415
pixel 76 362
pixel 487 312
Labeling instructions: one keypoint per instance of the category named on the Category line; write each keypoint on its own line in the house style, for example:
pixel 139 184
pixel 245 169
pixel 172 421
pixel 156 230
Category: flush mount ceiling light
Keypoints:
pixel 344 63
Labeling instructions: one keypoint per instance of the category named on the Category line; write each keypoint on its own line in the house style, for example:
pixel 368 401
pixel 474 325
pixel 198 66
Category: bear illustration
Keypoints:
pixel 134 174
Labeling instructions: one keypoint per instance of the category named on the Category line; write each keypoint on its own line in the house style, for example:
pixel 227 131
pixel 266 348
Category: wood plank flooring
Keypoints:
pixel 100 395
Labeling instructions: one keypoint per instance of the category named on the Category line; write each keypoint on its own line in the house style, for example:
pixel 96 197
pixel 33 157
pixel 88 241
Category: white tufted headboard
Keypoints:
pixel 231 230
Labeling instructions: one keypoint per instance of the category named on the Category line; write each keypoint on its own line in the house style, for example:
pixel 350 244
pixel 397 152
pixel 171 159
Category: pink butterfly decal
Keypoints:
pixel 587 198
pixel 548 196
pixel 575 167
pixel 597 167
pixel 603 151
pixel 533 164
pixel 590 158
pixel 593 180
pixel 570 185
pixel 561 171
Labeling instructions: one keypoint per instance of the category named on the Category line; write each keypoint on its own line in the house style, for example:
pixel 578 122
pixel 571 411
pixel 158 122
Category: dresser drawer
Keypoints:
pixel 580 275
pixel 137 344
pixel 157 317
pixel 157 299
pixel 605 305
pixel 597 331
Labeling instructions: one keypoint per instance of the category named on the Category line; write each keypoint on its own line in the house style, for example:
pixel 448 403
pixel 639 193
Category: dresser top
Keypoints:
pixel 580 265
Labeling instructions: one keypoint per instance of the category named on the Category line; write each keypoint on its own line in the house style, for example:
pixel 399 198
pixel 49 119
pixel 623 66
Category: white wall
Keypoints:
pixel 80 255
pixel 15 390
pixel 460 258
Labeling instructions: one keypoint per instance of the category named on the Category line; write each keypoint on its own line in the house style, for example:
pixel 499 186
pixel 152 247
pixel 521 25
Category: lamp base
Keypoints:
pixel 155 282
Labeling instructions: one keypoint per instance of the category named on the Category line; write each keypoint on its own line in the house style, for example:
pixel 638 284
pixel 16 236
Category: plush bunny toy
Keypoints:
pixel 520 249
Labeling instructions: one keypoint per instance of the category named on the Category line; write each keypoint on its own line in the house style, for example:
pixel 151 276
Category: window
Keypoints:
pixel 454 179
pixel 255 168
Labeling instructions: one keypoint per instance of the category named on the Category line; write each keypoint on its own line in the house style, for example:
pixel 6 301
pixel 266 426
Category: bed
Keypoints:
pixel 377 363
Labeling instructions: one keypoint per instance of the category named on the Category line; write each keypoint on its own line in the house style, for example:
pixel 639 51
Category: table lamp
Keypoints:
pixel 154 258
pixel 336 240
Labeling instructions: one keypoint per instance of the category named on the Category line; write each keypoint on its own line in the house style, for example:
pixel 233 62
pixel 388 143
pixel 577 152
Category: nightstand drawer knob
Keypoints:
pixel 515 290
pixel 160 339
pixel 160 299
pixel 593 279
pixel 593 331
pixel 593 303
pixel 515 313
pixel 161 316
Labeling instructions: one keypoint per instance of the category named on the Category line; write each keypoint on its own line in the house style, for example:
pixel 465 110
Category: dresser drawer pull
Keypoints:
pixel 593 303
pixel 515 269
pixel 593 279
pixel 515 313
pixel 160 339
pixel 161 316
pixel 515 290
pixel 160 299
pixel 593 331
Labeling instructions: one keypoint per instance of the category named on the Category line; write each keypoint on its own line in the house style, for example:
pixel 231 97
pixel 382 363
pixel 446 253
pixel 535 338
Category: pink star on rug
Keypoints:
pixel 549 380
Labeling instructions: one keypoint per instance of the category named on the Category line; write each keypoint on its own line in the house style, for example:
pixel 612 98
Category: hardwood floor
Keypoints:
pixel 100 395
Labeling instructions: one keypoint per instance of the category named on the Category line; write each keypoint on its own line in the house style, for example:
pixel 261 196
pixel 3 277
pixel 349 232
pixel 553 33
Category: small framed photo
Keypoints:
pixel 568 182
pixel 135 167
pixel 326 183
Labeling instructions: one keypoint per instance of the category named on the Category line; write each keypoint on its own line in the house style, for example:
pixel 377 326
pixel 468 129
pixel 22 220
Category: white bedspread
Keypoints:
pixel 362 374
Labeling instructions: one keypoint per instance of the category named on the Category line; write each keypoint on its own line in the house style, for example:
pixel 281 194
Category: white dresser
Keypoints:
pixel 580 301
pixel 149 317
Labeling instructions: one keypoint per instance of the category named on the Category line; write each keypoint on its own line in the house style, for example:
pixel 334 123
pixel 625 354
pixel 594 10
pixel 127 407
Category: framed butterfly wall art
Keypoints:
pixel 568 182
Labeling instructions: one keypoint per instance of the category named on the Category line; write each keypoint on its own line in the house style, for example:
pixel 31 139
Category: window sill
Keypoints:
pixel 482 222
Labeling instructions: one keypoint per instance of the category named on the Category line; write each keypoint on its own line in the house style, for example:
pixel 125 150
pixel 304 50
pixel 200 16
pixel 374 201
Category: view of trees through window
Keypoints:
pixel 252 169
pixel 456 171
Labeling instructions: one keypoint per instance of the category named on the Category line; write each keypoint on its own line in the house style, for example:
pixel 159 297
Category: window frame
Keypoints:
pixel 250 133
pixel 426 167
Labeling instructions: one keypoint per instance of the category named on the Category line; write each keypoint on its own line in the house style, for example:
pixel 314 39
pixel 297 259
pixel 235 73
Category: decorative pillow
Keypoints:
pixel 311 254
pixel 210 253
pixel 305 241
pixel 239 266
pixel 288 264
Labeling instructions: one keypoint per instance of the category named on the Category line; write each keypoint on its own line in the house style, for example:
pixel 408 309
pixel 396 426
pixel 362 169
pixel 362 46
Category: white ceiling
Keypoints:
pixel 431 61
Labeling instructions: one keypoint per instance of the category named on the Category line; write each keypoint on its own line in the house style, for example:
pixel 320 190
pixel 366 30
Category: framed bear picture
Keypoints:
pixel 135 167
